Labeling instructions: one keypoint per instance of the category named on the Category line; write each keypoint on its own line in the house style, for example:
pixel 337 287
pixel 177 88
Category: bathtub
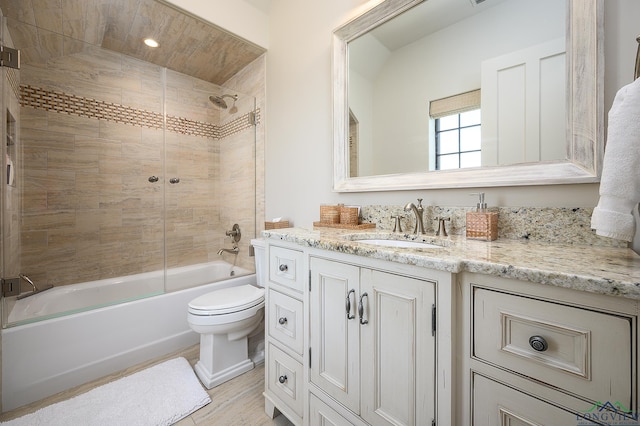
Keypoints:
pixel 74 298
pixel 94 334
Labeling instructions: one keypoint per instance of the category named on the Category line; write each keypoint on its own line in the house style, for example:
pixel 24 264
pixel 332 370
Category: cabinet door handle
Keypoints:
pixel 282 379
pixel 282 321
pixel 349 315
pixel 538 343
pixel 361 309
pixel 283 268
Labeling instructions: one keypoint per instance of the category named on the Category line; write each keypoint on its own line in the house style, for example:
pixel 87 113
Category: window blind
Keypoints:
pixel 455 104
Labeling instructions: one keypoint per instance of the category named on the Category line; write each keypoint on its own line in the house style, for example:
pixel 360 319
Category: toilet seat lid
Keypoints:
pixel 227 300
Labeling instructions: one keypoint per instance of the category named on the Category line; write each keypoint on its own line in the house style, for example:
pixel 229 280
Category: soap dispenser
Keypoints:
pixel 482 224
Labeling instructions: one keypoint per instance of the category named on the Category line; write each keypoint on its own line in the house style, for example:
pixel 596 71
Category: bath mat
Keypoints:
pixel 160 395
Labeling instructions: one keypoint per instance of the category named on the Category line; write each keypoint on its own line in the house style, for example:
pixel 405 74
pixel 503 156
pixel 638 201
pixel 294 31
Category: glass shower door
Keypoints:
pixel 10 182
pixel 210 181
pixel 91 140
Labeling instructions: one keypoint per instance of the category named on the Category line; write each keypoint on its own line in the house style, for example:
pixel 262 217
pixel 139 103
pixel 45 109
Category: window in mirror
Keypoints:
pixel 458 141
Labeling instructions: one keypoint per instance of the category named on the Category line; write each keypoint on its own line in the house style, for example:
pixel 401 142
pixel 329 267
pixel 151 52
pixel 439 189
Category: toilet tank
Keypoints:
pixel 259 246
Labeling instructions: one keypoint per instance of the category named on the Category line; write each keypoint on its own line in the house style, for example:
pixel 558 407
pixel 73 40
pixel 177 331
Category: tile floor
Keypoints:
pixel 238 402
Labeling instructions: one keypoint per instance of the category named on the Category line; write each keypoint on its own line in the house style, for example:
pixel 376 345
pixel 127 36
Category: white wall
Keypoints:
pixel 247 19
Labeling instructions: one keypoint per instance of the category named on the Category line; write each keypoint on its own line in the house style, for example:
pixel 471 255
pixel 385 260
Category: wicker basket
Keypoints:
pixel 276 225
pixel 329 214
pixel 349 215
pixel 482 226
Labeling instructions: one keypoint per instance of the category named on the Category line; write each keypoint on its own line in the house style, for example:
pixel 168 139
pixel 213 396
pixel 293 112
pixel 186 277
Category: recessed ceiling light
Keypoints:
pixel 151 42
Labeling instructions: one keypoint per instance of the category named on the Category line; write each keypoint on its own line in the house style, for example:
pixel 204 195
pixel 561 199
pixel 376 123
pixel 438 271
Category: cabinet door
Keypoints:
pixel 334 335
pixel 397 349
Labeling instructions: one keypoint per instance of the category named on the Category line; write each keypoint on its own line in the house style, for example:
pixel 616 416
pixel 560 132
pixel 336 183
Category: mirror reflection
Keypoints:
pixel 457 84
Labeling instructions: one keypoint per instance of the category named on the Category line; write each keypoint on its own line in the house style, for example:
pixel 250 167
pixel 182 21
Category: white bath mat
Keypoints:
pixel 159 395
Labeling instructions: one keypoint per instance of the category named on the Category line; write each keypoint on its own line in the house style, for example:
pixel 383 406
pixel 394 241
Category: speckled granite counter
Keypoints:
pixel 604 270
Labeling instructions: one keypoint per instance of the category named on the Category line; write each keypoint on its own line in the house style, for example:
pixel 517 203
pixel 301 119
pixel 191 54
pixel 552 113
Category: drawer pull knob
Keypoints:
pixel 282 321
pixel 283 268
pixel 538 343
pixel 282 379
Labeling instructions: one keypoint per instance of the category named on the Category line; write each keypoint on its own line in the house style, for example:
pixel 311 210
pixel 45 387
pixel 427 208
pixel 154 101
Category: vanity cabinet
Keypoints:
pixel 284 333
pixel 546 355
pixel 372 343
pixel 357 340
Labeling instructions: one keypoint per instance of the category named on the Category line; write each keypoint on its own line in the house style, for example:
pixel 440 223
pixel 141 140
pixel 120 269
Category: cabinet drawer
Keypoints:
pixel 285 320
pixel 284 379
pixel 497 405
pixel 285 268
pixel 584 352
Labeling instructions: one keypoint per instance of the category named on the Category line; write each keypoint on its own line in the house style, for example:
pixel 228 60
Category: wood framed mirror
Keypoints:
pixel 584 144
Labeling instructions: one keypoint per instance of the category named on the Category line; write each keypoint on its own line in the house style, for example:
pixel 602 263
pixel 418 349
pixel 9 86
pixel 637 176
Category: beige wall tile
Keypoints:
pixel 90 211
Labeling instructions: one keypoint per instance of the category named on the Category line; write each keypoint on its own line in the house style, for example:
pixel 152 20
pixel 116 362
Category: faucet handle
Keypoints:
pixel 442 229
pixel 397 227
pixel 420 202
pixel 234 233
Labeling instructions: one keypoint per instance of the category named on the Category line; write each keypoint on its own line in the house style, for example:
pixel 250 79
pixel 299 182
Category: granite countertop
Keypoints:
pixel 602 270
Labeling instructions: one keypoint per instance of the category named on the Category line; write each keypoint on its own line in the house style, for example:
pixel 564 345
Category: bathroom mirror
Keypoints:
pixel 578 149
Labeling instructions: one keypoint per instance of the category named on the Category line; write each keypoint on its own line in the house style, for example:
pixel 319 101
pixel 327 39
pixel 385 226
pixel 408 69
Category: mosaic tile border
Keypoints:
pixel 60 102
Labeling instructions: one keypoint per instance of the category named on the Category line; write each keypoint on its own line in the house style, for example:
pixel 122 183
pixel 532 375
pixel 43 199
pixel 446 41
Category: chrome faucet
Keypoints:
pixel 418 211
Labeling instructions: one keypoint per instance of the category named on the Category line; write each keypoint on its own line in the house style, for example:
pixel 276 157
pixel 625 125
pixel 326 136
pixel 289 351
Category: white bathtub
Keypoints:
pixel 45 357
pixel 74 298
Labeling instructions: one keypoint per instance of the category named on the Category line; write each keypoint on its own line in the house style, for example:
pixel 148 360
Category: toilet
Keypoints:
pixel 224 319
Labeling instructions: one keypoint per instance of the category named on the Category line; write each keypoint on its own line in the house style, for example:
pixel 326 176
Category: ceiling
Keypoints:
pixel 188 45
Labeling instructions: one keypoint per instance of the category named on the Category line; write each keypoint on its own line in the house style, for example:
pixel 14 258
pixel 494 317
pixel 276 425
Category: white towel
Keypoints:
pixel 620 181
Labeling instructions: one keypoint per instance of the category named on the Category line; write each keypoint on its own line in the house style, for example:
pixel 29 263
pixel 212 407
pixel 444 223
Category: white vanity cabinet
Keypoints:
pixel 372 344
pixel 538 354
pixel 284 333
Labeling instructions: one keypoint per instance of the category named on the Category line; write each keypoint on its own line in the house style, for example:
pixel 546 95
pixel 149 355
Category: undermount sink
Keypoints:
pixel 399 243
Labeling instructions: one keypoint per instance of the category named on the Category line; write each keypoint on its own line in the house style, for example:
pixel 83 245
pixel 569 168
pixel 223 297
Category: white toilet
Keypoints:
pixel 225 318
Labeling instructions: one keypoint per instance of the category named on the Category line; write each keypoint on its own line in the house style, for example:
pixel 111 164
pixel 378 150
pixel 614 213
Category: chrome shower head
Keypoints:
pixel 220 102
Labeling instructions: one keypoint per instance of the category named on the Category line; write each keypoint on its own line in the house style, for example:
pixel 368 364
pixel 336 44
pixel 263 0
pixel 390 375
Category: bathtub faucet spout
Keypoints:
pixel 234 250
pixel 27 279
pixel 36 290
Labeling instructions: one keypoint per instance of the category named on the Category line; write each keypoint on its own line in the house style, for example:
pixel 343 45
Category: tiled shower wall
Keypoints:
pixel 89 210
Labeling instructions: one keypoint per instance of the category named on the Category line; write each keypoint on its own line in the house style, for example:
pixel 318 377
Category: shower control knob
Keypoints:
pixel 174 180
pixel 153 179
pixel 282 379
pixel 282 321
pixel 538 343
pixel 283 268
